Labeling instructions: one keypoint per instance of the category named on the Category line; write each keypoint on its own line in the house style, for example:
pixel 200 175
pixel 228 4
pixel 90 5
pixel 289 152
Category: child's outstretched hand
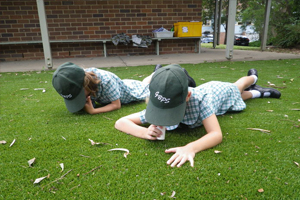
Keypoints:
pixel 88 107
pixel 182 154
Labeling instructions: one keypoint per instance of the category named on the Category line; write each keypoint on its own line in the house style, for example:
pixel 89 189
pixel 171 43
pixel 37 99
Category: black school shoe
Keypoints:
pixel 157 67
pixel 251 72
pixel 273 92
pixel 192 82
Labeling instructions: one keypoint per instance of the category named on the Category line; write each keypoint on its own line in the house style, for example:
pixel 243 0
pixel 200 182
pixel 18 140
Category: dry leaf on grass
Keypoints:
pixel 259 129
pixel 271 84
pixel 2 142
pixel 173 195
pixel 31 161
pixel 297 109
pixel 97 143
pixel 260 190
pixel 12 143
pixel 62 166
pixel 269 110
pixel 38 180
pixel 296 163
pixel 216 151
pixel 121 149
pixel 43 89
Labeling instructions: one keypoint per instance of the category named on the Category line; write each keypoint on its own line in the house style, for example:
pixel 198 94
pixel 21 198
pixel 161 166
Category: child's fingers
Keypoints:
pixel 172 150
pixel 88 99
pixel 172 159
pixel 191 159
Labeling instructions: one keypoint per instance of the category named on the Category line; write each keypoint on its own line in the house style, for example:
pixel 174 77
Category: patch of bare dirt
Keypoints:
pixel 284 50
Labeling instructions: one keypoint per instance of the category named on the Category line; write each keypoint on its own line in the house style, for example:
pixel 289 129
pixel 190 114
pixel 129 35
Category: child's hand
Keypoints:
pixel 153 132
pixel 88 107
pixel 182 154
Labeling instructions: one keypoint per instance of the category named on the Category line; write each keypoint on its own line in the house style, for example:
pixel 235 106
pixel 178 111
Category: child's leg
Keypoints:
pixel 148 79
pixel 244 83
pixel 253 90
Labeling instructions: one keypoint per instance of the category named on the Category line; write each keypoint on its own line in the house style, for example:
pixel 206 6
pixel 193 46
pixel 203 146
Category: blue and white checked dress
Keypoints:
pixel 112 88
pixel 210 98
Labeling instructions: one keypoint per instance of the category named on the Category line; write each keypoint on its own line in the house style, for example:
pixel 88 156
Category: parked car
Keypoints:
pixel 206 33
pixel 241 40
pixel 207 40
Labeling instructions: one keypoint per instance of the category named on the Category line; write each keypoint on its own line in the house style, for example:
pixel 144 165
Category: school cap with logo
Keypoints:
pixel 68 82
pixel 168 92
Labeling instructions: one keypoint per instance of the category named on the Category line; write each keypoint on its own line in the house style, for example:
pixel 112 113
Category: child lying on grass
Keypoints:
pixel 83 88
pixel 172 103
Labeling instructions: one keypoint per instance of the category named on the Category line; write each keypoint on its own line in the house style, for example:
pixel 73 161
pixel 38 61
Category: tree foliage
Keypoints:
pixel 284 23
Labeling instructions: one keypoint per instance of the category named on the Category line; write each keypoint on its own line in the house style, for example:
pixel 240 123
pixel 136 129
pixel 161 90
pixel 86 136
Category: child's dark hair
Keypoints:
pixel 90 83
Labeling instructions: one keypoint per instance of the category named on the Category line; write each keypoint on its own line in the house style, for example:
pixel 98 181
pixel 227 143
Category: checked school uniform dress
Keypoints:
pixel 112 88
pixel 210 98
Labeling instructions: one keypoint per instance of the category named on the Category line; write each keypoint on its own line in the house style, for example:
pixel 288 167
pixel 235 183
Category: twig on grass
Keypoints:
pixel 296 109
pixel 107 118
pixel 58 178
pixel 259 129
pixel 294 123
pixel 276 86
pixel 75 187
pixel 85 156
pixel 93 170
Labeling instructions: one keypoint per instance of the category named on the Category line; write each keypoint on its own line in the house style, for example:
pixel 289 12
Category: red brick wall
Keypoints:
pixel 97 19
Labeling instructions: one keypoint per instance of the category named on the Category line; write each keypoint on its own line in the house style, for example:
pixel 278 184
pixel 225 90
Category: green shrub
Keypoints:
pixel 289 36
pixel 255 44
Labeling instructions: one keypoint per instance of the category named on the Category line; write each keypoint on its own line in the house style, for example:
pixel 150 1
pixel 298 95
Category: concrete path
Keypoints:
pixel 206 55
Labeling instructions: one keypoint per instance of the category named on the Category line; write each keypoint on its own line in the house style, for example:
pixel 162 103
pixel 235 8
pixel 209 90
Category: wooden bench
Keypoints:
pixel 104 41
pixel 62 41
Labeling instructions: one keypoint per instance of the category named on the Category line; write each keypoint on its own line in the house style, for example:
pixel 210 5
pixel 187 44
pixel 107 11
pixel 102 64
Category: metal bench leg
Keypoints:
pixel 104 49
pixel 157 47
pixel 199 46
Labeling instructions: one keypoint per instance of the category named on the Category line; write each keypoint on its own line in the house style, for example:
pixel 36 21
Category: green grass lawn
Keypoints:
pixel 249 161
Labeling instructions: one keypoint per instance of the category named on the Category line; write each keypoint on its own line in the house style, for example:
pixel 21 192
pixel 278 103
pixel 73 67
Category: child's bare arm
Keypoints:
pixel 187 152
pixel 89 108
pixel 131 125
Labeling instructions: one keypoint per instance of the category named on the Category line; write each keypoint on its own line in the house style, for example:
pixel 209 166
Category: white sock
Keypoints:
pixel 255 94
pixel 255 78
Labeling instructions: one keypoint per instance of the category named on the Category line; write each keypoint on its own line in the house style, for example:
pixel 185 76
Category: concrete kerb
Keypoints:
pixel 206 55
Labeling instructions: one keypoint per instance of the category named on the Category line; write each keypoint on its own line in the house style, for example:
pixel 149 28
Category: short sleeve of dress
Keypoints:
pixel 142 116
pixel 206 109
pixel 110 90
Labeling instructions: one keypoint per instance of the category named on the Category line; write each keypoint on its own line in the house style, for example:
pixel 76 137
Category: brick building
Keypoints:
pixel 91 19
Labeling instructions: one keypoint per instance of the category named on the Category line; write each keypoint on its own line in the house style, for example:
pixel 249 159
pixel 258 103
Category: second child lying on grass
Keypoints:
pixel 172 103
pixel 84 88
